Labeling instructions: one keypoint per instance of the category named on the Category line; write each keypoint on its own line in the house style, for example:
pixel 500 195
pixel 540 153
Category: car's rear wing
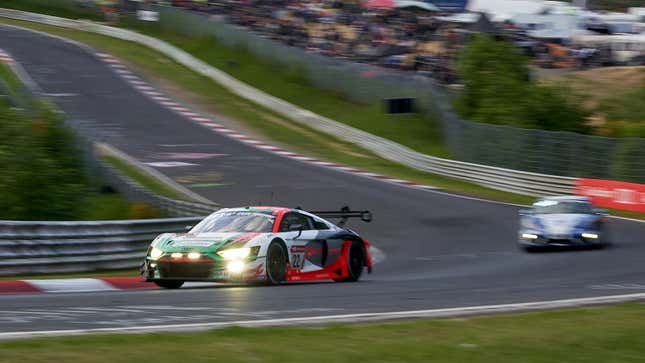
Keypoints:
pixel 344 214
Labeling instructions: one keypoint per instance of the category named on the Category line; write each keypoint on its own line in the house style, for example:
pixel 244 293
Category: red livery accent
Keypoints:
pixel 613 194
pixel 17 287
pixel 336 270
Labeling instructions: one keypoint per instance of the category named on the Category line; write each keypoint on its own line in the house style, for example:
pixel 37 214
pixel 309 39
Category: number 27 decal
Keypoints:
pixel 297 257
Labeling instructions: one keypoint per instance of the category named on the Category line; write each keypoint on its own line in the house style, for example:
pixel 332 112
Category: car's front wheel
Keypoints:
pixel 355 262
pixel 169 284
pixel 276 264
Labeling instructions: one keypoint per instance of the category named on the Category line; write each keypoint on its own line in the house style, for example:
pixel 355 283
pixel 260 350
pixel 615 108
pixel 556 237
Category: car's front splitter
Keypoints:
pixel 215 271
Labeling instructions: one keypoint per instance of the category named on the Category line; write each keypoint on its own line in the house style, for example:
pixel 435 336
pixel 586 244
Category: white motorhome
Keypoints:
pixel 624 49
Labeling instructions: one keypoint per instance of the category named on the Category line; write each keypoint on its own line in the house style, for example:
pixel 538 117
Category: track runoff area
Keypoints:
pixel 441 253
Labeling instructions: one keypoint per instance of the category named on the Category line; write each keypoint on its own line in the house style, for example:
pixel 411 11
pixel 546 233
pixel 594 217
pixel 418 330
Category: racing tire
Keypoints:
pixel 355 262
pixel 276 263
pixel 169 284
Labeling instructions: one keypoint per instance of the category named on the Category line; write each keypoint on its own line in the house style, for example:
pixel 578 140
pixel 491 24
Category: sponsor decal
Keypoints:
pixel 193 244
pixel 613 194
pixel 314 251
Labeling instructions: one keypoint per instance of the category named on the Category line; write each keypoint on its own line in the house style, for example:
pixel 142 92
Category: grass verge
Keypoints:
pixel 209 96
pixel 599 334
pixel 145 180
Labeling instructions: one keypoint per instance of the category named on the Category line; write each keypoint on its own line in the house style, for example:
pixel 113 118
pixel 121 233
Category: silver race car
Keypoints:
pixel 569 221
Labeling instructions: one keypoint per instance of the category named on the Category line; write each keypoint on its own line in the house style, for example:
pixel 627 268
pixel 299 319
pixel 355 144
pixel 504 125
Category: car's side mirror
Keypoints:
pixel 602 211
pixel 188 228
pixel 524 212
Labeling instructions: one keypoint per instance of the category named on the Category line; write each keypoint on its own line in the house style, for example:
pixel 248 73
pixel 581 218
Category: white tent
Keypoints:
pixel 502 10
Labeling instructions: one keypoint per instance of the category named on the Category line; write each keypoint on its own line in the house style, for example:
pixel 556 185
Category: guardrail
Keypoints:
pixel 55 247
pixel 515 181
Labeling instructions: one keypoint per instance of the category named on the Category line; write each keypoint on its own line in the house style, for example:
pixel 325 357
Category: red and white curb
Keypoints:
pixel 6 57
pixel 45 286
pixel 161 99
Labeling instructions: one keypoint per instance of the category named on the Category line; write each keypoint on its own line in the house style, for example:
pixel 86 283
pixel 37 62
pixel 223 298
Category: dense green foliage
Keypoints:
pixel 40 167
pixel 63 8
pixel 499 90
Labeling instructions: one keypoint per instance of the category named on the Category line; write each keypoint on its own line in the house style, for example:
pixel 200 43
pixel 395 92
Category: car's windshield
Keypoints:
pixel 557 206
pixel 237 221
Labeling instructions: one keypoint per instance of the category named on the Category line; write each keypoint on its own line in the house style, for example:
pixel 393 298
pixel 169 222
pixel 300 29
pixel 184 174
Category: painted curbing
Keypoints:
pixel 101 284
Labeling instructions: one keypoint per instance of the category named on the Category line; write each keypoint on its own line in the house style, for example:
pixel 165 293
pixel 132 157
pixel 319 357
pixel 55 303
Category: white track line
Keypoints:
pixel 346 318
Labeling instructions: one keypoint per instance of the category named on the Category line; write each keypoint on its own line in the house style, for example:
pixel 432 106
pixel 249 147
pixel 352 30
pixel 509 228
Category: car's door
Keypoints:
pixel 297 230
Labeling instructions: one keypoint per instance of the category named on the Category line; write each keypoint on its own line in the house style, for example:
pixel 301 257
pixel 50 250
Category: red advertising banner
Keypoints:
pixel 613 194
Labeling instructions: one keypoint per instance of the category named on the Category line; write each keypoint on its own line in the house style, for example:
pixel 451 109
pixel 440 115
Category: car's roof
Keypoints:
pixel 261 209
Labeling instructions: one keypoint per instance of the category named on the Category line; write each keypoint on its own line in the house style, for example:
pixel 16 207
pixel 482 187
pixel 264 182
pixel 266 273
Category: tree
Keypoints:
pixel 42 175
pixel 498 89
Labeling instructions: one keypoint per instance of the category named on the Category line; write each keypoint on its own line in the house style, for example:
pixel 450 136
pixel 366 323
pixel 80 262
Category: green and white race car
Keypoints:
pixel 260 244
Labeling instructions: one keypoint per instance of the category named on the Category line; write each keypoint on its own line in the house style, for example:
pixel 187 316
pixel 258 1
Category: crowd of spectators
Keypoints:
pixel 408 38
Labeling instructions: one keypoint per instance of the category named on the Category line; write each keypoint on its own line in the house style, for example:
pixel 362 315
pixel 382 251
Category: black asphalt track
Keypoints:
pixel 440 250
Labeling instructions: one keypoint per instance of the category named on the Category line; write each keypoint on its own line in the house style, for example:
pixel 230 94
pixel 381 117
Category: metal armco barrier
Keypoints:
pixel 53 247
pixel 494 177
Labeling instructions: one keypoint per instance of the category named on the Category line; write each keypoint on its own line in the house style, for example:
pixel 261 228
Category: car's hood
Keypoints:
pixel 204 242
pixel 563 223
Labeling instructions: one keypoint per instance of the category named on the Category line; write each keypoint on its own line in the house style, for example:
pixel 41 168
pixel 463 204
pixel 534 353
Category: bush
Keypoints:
pixel 498 89
pixel 42 174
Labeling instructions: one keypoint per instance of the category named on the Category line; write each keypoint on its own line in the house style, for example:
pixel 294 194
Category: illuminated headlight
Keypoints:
pixel 155 253
pixel 590 235
pixel 235 266
pixel 176 255
pixel 529 236
pixel 194 255
pixel 235 254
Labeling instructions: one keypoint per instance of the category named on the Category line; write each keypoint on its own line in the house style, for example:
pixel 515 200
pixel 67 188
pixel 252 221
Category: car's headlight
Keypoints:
pixel 155 253
pixel 530 236
pixel 589 235
pixel 235 253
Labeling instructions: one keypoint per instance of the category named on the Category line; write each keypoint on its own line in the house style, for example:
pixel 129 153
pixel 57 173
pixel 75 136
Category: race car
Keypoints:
pixel 260 244
pixel 567 221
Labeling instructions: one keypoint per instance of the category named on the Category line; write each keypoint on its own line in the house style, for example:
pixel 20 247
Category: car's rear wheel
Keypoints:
pixel 276 263
pixel 169 284
pixel 355 262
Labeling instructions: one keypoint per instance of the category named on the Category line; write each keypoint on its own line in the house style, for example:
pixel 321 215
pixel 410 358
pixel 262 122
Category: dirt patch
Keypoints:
pixel 600 83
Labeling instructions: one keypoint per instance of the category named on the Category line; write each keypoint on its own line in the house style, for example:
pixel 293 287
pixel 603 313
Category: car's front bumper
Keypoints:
pixel 201 270
pixel 562 240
